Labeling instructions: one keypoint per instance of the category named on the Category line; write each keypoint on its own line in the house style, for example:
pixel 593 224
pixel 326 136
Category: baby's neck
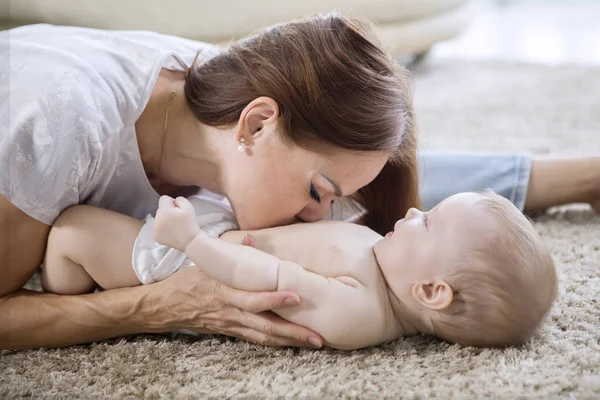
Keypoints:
pixel 409 324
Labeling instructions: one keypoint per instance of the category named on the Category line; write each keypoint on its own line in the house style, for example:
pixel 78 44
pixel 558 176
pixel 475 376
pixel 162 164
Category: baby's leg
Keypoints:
pixel 90 246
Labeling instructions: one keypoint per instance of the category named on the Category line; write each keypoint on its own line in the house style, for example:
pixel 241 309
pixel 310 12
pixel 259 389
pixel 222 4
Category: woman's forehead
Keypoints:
pixel 350 172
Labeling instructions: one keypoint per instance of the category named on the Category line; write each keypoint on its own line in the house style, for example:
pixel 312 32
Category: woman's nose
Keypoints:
pixel 413 213
pixel 314 211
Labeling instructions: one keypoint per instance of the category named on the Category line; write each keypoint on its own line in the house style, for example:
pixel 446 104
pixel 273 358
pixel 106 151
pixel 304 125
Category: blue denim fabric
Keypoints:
pixel 443 174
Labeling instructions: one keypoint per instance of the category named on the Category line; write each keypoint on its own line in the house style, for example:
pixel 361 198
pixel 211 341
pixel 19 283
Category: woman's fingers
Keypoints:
pixel 210 306
pixel 280 331
pixel 257 303
pixel 260 338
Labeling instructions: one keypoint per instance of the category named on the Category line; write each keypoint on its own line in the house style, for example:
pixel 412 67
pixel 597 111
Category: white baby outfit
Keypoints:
pixel 153 262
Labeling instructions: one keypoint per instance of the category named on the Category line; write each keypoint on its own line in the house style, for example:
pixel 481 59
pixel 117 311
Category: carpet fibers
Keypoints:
pixel 460 105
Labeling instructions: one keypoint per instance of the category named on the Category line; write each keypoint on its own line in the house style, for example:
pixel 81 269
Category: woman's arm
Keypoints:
pixel 22 246
pixel 46 320
pixel 31 319
pixel 187 300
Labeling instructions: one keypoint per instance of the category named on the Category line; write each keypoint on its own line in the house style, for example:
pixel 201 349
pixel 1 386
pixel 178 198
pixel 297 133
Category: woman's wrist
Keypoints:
pixel 147 310
pixel 178 302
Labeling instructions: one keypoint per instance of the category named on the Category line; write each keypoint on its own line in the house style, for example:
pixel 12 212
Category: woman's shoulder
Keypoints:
pixel 66 100
pixel 183 48
pixel 111 71
pixel 85 67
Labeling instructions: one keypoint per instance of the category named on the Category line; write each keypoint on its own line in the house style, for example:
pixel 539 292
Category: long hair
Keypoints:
pixel 335 86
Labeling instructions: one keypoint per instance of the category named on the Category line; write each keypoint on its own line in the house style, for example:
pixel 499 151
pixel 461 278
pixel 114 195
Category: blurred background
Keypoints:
pixel 540 31
pixel 543 31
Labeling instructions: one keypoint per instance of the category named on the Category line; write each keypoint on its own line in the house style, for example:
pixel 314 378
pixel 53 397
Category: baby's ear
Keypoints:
pixel 436 295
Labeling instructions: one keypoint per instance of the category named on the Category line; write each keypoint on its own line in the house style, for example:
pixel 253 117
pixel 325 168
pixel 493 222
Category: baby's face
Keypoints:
pixel 424 244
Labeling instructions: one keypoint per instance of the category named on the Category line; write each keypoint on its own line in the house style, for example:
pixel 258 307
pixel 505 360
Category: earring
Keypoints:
pixel 241 145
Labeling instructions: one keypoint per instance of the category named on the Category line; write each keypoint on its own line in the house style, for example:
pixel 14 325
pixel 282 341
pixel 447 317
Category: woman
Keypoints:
pixel 281 124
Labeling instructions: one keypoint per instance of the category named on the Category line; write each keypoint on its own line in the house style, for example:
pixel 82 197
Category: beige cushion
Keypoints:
pixel 419 21
pixel 417 36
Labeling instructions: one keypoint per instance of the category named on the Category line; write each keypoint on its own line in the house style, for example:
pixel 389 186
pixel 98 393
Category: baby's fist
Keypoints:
pixel 175 223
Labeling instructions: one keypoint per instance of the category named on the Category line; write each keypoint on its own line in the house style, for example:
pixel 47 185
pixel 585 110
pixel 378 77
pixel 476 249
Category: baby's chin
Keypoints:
pixel 378 244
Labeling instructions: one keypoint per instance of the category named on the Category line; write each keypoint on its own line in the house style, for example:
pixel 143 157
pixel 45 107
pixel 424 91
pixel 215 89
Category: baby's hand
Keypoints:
pixel 175 223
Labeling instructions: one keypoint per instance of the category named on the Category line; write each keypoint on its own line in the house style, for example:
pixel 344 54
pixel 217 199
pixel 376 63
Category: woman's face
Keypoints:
pixel 273 183
pixel 284 185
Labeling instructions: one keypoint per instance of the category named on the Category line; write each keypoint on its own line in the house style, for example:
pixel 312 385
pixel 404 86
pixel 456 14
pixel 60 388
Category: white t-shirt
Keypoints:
pixel 69 100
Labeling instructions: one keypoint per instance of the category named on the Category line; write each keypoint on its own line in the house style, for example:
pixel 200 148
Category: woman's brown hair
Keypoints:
pixel 335 87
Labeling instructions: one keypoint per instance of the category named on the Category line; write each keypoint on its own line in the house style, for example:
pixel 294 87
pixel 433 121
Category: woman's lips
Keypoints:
pixel 389 235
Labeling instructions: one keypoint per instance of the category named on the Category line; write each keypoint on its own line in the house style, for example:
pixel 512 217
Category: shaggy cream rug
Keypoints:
pixel 461 105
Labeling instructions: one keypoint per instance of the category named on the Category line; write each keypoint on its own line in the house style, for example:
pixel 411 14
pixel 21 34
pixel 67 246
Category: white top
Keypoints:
pixel 69 100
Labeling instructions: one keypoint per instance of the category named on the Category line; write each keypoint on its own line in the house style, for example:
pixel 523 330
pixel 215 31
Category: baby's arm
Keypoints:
pixel 238 266
pixel 89 246
pixel 336 307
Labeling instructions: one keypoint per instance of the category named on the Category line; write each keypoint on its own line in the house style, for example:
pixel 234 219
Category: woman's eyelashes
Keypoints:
pixel 314 193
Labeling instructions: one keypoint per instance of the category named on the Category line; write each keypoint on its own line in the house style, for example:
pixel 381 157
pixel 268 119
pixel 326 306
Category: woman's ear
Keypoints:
pixel 436 295
pixel 258 114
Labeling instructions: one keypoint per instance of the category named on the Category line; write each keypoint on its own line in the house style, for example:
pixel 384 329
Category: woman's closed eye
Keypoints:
pixel 314 193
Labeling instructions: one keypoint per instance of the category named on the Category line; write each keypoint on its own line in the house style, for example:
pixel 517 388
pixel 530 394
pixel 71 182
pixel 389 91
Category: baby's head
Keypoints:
pixel 471 271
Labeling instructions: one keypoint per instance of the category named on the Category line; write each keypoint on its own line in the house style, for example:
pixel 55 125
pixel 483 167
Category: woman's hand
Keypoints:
pixel 175 223
pixel 190 299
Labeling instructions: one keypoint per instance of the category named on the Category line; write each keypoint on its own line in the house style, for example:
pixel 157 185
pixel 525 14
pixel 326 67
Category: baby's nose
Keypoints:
pixel 413 213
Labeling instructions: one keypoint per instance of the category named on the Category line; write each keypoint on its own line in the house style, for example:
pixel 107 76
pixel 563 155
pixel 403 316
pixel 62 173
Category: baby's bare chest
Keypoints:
pixel 328 248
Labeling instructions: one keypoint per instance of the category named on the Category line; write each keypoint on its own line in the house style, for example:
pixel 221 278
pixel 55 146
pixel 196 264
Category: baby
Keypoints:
pixel 471 271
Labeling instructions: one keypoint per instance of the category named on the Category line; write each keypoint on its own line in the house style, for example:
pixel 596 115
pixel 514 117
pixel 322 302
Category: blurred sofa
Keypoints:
pixel 408 27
